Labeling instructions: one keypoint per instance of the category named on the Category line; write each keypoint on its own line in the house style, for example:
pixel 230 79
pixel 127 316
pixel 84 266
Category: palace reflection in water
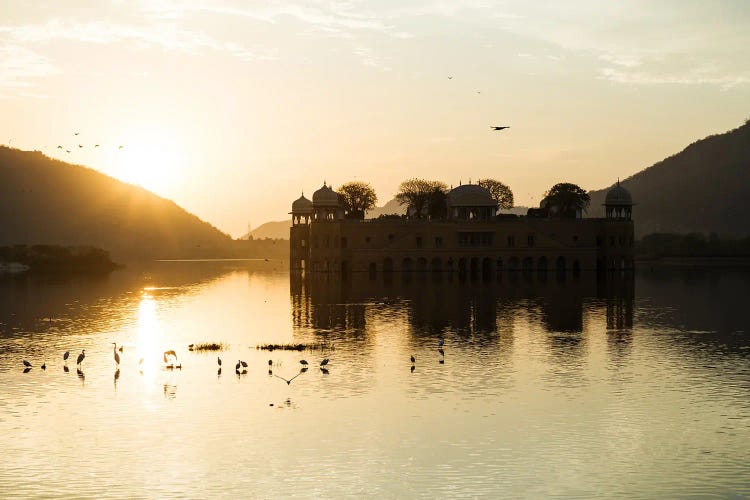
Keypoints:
pixel 437 303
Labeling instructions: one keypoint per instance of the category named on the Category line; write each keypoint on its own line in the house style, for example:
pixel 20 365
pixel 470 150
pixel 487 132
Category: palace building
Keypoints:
pixel 473 238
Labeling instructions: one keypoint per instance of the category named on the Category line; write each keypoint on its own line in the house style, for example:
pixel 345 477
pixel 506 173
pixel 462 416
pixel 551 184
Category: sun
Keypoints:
pixel 152 160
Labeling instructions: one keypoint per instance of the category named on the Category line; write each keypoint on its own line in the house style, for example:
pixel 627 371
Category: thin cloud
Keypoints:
pixel 21 69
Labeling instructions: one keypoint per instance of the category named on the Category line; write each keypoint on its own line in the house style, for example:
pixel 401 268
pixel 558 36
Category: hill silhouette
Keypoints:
pixel 47 201
pixel 705 188
pixel 278 229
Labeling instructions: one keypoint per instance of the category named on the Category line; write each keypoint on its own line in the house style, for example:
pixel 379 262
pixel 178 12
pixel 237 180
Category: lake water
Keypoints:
pixel 548 387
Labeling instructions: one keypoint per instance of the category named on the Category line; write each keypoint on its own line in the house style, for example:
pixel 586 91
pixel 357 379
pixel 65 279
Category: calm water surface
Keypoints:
pixel 547 388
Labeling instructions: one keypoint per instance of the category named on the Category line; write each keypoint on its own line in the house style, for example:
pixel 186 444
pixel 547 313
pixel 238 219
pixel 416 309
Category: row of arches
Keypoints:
pixel 475 265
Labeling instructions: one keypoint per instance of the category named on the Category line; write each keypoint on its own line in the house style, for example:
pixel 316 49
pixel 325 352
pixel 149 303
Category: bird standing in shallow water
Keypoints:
pixel 117 356
pixel 237 366
pixel 81 356
pixel 26 364
pixel 218 360
pixel 413 359
pixel 303 362
pixel 324 362
pixel 65 356
pixel 441 343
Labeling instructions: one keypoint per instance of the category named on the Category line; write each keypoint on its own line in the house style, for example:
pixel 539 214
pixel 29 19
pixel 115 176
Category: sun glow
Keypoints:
pixel 151 159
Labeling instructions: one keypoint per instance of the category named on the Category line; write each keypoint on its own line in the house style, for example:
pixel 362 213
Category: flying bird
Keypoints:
pixel 59 147
pixel 120 147
pixel 498 128
pixel 67 151
pixel 289 381
pixel 80 145
pixel 96 145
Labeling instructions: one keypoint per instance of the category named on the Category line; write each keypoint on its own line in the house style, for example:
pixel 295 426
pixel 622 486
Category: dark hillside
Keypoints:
pixel 46 201
pixel 703 189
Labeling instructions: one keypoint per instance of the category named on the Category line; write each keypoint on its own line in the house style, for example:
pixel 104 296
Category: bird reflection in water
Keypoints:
pixel 81 375
pixel 117 377
pixel 27 369
pixel 324 371
pixel 66 369
pixel 170 391
pixel 218 373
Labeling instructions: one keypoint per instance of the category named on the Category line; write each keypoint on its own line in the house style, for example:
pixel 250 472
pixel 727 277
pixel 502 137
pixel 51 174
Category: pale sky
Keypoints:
pixel 231 108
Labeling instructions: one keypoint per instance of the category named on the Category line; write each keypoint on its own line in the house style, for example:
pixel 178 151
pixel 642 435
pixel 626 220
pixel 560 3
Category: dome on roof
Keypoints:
pixel 618 195
pixel 470 195
pixel 302 205
pixel 325 197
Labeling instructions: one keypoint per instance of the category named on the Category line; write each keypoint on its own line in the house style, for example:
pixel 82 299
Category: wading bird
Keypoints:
pixel 441 343
pixel 218 360
pixel 244 365
pixel 498 128
pixel 44 366
pixel 288 382
pixel 66 355
pixel 324 362
pixel 26 364
pixel 303 362
pixel 81 357
pixel 237 366
pixel 117 356
pixel 413 359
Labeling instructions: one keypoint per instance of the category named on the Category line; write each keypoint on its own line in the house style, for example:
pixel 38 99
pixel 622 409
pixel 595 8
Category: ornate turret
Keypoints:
pixel 325 205
pixel 302 210
pixel 618 203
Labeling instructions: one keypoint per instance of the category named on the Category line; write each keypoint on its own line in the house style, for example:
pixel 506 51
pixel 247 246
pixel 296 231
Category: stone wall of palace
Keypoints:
pixel 515 243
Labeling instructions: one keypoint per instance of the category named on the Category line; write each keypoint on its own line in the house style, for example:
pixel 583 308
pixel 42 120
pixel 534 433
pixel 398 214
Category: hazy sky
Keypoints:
pixel 231 108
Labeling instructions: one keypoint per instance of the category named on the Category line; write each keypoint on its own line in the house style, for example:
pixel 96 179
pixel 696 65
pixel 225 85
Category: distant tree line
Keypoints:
pixel 55 258
pixel 429 198
pixel 657 245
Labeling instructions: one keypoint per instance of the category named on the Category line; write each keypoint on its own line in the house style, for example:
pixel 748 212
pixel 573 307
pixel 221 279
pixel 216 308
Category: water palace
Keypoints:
pixel 474 238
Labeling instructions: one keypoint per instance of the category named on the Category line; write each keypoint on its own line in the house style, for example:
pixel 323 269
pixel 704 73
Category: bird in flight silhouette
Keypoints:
pixel 289 381
pixel 498 128
pixel 59 147
pixel 76 133
pixel 450 78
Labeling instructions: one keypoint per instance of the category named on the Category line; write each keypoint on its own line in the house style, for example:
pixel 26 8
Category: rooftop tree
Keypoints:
pixel 416 193
pixel 565 199
pixel 500 192
pixel 357 198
